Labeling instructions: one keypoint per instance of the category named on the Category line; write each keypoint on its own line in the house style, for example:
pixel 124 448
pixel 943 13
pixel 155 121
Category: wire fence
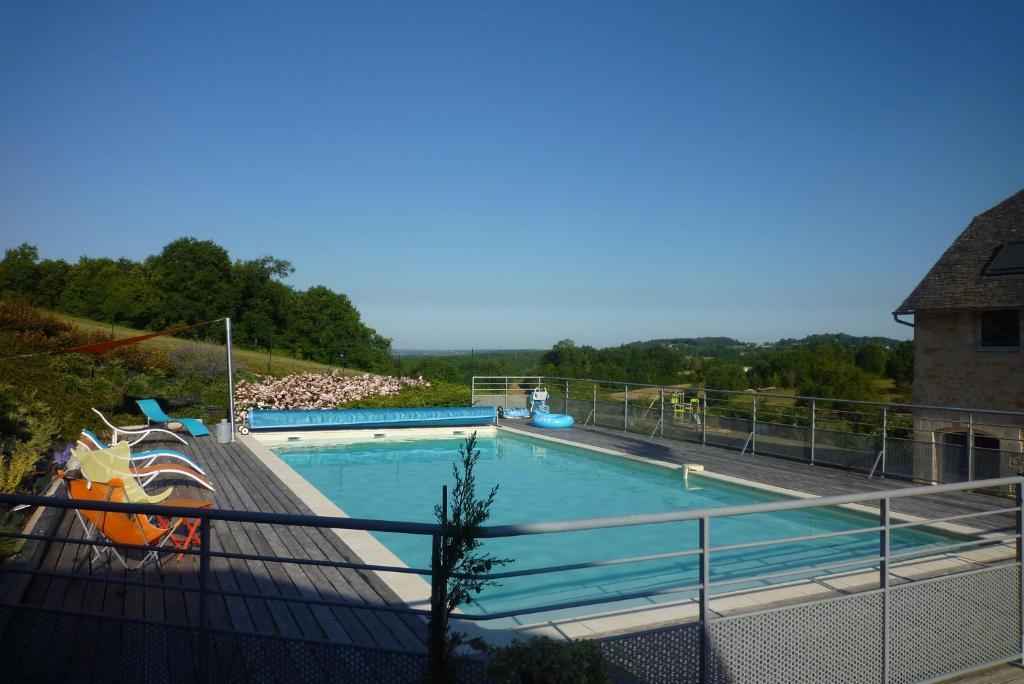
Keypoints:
pixel 936 444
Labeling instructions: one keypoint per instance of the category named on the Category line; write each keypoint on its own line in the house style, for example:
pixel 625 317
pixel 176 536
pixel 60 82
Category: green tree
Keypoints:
pixel 195 279
pixel 458 559
pixel 900 365
pixel 19 273
pixel 872 357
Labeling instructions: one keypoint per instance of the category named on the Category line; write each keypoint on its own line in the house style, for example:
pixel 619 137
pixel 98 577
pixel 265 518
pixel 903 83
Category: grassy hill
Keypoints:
pixel 253 360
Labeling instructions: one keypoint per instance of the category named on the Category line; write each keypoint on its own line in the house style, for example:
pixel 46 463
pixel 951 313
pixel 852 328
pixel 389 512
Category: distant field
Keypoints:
pixel 253 361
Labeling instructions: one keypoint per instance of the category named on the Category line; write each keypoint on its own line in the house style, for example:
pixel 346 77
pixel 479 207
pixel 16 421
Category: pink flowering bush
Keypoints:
pixel 316 391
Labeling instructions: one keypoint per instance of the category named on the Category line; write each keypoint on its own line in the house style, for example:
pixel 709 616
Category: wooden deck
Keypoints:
pixel 46 620
pixel 781 472
pixel 243 483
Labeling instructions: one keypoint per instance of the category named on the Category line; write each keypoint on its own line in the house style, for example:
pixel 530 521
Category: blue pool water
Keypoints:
pixel 545 481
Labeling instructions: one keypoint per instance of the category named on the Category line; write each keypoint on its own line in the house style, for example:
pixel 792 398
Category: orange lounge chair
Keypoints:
pixel 130 529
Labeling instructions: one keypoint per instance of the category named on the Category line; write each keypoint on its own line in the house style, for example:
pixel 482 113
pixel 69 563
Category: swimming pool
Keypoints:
pixel 542 481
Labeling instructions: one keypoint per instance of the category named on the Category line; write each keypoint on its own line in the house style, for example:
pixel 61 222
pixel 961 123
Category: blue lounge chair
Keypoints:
pixel 155 414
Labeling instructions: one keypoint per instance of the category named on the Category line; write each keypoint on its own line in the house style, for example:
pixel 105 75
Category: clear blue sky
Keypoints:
pixel 506 175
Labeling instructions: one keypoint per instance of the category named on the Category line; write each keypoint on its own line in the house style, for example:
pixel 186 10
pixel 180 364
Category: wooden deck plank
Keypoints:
pixel 346 584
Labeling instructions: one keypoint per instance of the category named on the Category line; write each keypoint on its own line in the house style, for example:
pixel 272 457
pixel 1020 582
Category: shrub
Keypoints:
pixel 27 432
pixel 541 660
pixel 316 391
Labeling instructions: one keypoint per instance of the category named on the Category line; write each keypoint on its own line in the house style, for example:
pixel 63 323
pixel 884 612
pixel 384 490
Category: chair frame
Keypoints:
pixel 143 434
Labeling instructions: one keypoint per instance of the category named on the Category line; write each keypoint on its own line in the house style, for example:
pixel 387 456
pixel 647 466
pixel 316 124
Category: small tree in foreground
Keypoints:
pixel 458 562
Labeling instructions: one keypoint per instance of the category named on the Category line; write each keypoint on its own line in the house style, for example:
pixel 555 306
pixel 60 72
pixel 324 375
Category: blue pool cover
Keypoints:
pixel 371 418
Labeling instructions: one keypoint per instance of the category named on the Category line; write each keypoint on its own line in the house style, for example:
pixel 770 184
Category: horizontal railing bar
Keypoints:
pixel 220 554
pixel 124 581
pixel 746 509
pixel 810 570
pixel 580 566
pixel 793 540
pixel 503 530
pixel 748 394
pixel 576 604
pixel 946 548
pixel 318 562
pixel 226 515
pixel 953 518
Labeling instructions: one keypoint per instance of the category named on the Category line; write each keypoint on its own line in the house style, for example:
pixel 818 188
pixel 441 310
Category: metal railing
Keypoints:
pixel 703 551
pixel 913 442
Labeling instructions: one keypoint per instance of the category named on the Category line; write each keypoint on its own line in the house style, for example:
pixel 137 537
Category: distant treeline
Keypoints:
pixel 837 365
pixel 191 281
pixel 821 365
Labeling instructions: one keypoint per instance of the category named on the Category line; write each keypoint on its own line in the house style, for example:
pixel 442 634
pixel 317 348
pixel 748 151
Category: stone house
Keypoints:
pixel 967 351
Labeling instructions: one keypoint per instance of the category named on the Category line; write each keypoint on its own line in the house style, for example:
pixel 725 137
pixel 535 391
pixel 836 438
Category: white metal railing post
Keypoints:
pixel 594 386
pixel 753 424
pixel 661 418
pixel 813 433
pixel 1019 496
pixel 625 411
pixel 231 378
pixel 504 405
pixel 565 402
pixel 705 598
pixel 883 581
pixel 885 430
pixel 970 446
pixel 472 391
pixel 204 581
pixel 704 421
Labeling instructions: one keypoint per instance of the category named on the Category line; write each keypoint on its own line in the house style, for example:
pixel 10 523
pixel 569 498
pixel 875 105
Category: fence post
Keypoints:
pixel 753 425
pixel 661 418
pixel 204 579
pixel 504 406
pixel 1019 491
pixel 885 430
pixel 565 402
pixel 970 446
pixel 438 599
pixel 705 596
pixel 594 386
pixel 814 435
pixel 883 582
pixel 625 411
pixel 704 422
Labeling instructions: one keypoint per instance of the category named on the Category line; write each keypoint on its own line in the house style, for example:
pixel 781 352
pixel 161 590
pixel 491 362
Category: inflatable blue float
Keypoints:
pixel 551 420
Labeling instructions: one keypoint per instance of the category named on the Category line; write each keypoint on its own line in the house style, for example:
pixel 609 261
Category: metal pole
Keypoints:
pixel 438 597
pixel 204 579
pixel 1019 489
pixel 813 434
pixel 625 411
pixel 565 402
pixel 753 425
pixel 595 403
pixel 883 581
pixel 661 420
pixel 504 405
pixel 704 423
pixel 231 379
pixel 970 446
pixel 885 430
pixel 705 595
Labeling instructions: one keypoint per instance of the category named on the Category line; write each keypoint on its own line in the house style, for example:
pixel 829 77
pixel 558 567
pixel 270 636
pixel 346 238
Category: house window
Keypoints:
pixel 1008 259
pixel 1000 328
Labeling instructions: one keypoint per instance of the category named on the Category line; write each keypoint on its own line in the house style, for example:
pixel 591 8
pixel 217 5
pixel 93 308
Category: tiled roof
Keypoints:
pixel 956 281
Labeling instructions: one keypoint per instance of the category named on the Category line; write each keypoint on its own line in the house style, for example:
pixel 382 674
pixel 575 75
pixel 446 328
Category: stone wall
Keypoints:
pixel 951 369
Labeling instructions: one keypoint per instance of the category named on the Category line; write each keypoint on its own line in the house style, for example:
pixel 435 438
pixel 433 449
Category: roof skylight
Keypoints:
pixel 1008 260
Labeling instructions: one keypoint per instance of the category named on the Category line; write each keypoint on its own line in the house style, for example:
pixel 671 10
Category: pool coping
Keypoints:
pixel 414 591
